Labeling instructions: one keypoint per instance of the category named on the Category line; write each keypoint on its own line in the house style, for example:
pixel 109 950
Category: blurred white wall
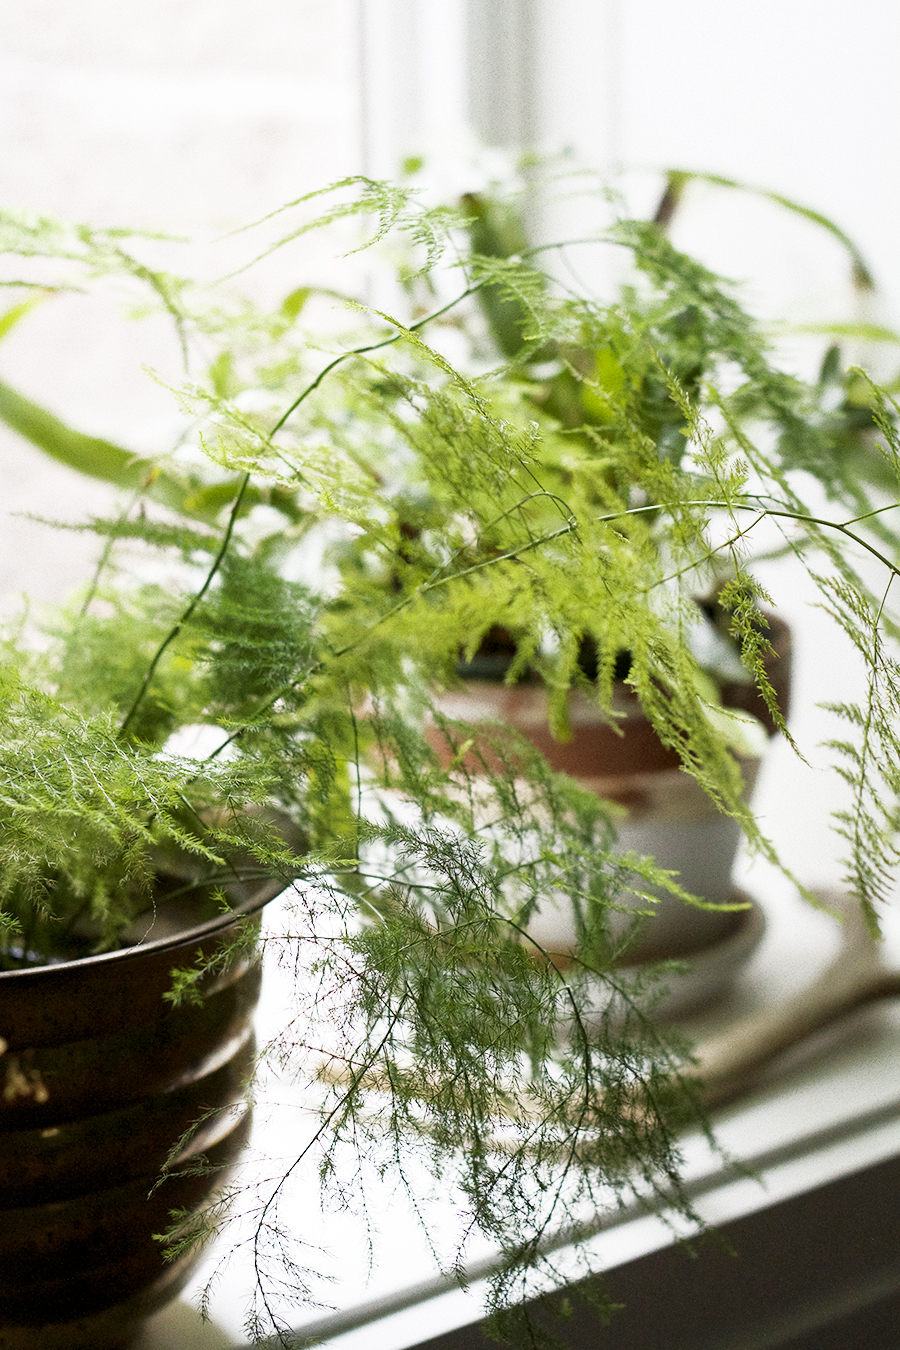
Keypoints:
pixel 795 95
pixel 175 114
pixel 189 116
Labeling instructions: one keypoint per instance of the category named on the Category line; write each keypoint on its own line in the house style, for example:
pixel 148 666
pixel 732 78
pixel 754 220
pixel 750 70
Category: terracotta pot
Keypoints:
pixel 669 816
pixel 100 1077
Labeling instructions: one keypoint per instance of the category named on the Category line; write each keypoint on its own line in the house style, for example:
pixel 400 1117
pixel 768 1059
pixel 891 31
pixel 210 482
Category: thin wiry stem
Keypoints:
pixel 233 515
pixel 752 504
pixel 372 347
pixel 188 612
pixel 356 1079
pixel 858 843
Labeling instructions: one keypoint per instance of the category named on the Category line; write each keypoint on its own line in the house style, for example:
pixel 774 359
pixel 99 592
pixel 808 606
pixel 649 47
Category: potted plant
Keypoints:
pixel 614 749
pixel 253 703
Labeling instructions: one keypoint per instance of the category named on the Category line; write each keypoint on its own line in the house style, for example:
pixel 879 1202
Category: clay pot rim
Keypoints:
pixel 735 696
pixel 266 892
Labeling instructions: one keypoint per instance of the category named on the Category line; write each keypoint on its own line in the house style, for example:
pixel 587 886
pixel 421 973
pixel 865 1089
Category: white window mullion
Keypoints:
pixel 542 75
pixel 412 62
pixel 502 71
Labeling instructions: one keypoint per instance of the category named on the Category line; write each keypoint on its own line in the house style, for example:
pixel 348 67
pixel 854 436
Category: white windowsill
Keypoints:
pixel 829 1109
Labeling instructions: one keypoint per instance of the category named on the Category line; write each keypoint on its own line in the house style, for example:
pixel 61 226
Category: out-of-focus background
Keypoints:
pixel 197 116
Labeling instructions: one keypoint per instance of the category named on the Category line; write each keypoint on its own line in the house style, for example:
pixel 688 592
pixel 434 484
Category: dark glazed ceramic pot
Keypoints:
pixel 100 1077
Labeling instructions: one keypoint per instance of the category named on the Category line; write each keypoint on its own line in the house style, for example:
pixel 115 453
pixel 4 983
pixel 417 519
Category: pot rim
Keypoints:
pixel 267 891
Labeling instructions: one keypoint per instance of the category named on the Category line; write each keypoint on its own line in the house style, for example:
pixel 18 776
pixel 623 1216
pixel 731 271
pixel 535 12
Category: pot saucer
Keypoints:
pixel 703 976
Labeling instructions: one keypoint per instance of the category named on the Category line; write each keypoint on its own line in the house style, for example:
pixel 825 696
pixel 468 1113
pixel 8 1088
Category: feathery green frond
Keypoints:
pixel 368 514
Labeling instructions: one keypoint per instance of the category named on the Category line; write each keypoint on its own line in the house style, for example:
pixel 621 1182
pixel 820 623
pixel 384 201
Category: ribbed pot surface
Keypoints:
pixel 101 1081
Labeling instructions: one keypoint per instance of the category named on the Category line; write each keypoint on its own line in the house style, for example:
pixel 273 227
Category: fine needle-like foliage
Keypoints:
pixel 364 512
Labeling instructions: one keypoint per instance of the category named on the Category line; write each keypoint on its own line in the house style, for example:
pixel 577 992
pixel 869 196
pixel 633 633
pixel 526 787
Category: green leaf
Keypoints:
pixel 293 303
pixel 679 178
pixel 98 458
pixel 222 375
pixel 87 454
pixel 12 316
pixel 865 332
